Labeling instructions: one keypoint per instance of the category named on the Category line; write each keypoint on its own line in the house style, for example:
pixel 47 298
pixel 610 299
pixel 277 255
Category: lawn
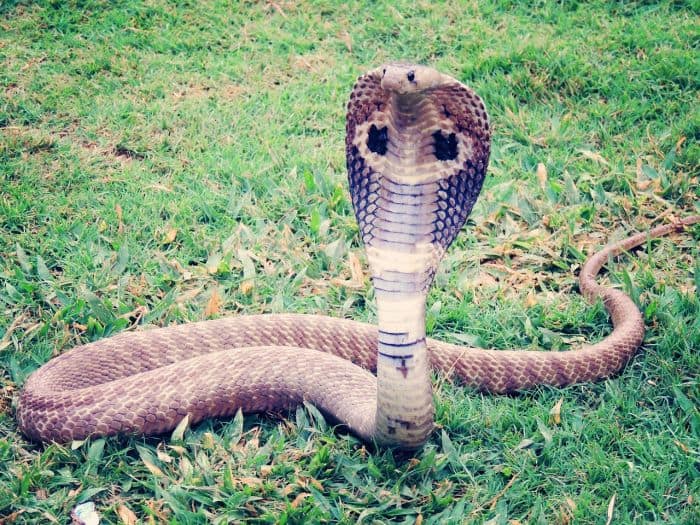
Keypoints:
pixel 165 163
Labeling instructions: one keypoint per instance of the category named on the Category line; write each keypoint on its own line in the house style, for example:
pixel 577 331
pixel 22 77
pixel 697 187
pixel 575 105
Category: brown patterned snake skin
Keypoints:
pixel 417 150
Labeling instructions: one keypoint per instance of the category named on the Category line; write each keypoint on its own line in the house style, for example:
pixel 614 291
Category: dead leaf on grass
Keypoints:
pixel 355 269
pixel 347 40
pixel 213 261
pixel 160 187
pixel 169 236
pixel 611 509
pixel 278 8
pixel 542 175
pixel 163 456
pixel 592 155
pixel 530 300
pixel 152 468
pixel 480 280
pixel 126 515
pixel 135 315
pixel 356 280
pixel 555 412
pixel 682 446
pixel 250 482
pixel 214 304
pixel 299 499
pixel 232 91
pixel 120 215
pixel 179 433
pixel 208 441
pixel 185 466
pixel 188 295
pixel 679 144
pixel 7 338
pixel 246 287
pixel 525 443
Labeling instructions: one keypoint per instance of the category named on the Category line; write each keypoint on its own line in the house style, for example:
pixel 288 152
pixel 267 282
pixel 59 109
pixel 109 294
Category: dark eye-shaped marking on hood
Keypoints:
pixel 377 139
pixel 445 146
pixel 411 75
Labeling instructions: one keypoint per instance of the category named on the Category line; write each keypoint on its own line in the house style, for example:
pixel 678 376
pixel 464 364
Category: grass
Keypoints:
pixel 165 163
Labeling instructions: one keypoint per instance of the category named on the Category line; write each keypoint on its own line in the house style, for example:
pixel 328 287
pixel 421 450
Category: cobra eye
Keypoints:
pixel 411 76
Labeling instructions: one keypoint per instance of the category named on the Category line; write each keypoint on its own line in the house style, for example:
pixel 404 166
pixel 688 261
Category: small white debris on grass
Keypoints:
pixel 85 514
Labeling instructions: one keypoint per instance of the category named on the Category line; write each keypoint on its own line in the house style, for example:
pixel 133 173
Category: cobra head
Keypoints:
pixel 417 149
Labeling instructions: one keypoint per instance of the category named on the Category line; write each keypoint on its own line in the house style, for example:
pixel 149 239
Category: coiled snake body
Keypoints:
pixel 417 149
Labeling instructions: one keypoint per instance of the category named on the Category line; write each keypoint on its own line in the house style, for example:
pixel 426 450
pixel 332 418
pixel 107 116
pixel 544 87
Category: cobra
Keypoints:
pixel 417 148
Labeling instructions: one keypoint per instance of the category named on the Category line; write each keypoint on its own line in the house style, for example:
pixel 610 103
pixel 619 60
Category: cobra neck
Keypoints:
pixel 404 397
pixel 407 110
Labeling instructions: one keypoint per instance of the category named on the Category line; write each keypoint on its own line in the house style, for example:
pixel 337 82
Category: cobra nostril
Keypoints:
pixel 411 76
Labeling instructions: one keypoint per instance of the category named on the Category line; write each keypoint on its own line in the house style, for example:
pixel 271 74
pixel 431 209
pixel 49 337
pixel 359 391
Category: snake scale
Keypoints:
pixel 417 146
